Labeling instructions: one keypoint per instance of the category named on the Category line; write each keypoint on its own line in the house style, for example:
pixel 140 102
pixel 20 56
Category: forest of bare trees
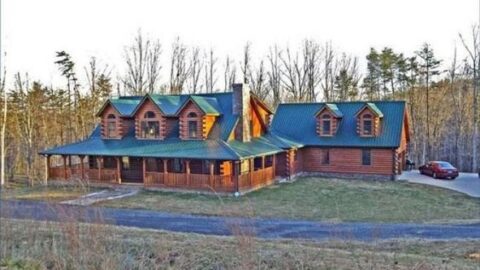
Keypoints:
pixel 442 97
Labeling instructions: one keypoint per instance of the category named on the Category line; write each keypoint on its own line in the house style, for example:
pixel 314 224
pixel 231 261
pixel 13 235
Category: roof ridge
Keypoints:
pixel 342 102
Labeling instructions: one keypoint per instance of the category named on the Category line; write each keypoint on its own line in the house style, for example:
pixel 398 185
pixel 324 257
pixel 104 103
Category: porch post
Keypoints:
pixel 165 171
pixel 274 169
pixel 82 167
pixel 236 175
pixel 212 170
pixel 99 165
pixel 119 176
pixel 144 168
pixel 64 167
pixel 70 162
pixel 47 169
pixel 187 170
pixel 251 168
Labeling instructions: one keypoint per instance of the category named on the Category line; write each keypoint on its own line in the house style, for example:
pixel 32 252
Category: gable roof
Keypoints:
pixel 333 108
pixel 208 105
pixel 373 108
pixel 123 105
pixel 298 123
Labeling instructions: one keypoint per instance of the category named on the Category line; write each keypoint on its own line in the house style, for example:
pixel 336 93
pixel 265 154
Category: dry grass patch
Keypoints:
pixel 72 245
pixel 51 193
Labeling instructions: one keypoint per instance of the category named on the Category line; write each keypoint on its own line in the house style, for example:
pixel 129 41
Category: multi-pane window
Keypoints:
pixel 326 125
pixel 366 157
pixel 111 125
pixel 326 157
pixel 367 124
pixel 192 129
pixel 150 127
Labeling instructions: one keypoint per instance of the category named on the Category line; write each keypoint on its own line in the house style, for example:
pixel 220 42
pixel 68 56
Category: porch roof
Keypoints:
pixel 214 149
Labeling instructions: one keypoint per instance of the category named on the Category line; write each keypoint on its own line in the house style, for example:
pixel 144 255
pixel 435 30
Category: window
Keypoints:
pixel 367 124
pixel 192 115
pixel 149 114
pixel 192 129
pixel 326 125
pixel 366 157
pixel 150 129
pixel 326 157
pixel 111 125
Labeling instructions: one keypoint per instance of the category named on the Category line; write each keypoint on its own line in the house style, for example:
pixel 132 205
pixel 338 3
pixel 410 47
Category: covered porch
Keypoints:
pixel 194 174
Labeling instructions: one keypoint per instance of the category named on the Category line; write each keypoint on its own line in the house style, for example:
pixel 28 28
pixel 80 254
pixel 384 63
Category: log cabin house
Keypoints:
pixel 232 142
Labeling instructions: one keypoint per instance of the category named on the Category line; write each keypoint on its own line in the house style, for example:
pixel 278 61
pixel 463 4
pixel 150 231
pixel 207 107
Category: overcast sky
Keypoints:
pixel 33 30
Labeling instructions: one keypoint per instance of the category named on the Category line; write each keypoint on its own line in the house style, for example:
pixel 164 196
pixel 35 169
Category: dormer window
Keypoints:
pixel 111 126
pixel 367 122
pixel 150 126
pixel 192 120
pixel 326 125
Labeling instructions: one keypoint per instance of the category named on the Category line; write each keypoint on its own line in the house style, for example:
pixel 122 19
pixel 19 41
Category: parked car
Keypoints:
pixel 439 169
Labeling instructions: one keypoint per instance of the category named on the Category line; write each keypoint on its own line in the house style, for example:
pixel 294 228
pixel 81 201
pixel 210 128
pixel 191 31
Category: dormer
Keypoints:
pixel 369 119
pixel 197 117
pixel 111 122
pixel 150 123
pixel 328 120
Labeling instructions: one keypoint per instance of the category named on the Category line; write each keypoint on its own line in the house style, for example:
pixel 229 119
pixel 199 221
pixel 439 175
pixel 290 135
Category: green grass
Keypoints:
pixel 52 193
pixel 73 245
pixel 321 199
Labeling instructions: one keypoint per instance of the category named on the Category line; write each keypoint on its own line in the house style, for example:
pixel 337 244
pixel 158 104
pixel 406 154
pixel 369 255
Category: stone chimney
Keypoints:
pixel 241 107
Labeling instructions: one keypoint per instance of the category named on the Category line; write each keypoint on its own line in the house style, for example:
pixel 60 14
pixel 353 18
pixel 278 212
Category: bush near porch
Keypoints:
pixel 313 198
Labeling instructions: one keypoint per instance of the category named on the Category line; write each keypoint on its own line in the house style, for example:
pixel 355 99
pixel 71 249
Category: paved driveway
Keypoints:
pixel 467 183
pixel 263 228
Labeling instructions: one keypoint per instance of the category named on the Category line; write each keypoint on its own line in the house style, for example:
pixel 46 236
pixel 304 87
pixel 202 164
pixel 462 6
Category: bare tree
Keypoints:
pixel 3 130
pixel 210 71
pixel 311 56
pixel 474 55
pixel 258 81
pixel 179 70
pixel 143 65
pixel 293 76
pixel 246 62
pixel 328 71
pixel 229 73
pixel 196 66
pixel 274 80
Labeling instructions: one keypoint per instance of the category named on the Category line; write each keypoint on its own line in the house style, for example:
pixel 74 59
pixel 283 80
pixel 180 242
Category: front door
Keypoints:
pixel 132 171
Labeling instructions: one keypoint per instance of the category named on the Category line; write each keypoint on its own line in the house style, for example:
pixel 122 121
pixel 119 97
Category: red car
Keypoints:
pixel 439 169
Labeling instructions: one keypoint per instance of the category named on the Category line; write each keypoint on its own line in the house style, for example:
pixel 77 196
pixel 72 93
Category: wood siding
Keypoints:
pixel 121 128
pixel 376 123
pixel 204 123
pixel 260 119
pixel 333 125
pixel 148 105
pixel 347 160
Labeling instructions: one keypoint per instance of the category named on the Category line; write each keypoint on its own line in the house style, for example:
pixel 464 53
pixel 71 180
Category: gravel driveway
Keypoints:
pixel 467 183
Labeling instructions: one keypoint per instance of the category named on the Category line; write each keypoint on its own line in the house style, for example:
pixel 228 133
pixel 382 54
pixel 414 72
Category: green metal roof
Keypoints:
pixel 333 108
pixel 256 147
pixel 373 108
pixel 208 105
pixel 125 106
pixel 130 146
pixel 298 123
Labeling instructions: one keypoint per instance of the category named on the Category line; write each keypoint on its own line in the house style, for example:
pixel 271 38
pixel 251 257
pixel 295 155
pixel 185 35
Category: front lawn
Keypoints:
pixel 312 198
